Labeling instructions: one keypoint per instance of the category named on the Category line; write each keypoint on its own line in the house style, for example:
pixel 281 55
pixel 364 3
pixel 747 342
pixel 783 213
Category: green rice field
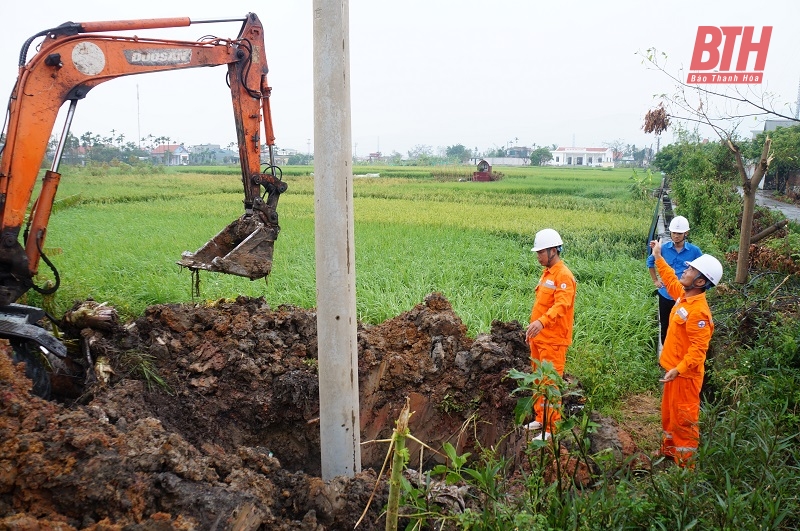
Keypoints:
pixel 116 238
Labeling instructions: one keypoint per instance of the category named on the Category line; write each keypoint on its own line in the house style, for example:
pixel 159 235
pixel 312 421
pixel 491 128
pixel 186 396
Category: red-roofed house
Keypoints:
pixel 170 155
pixel 599 157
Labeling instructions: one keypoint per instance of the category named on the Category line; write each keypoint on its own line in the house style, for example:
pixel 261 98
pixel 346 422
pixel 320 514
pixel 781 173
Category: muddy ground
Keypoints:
pixel 207 417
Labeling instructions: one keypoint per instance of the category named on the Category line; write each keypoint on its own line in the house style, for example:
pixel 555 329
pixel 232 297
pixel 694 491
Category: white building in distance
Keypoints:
pixel 598 157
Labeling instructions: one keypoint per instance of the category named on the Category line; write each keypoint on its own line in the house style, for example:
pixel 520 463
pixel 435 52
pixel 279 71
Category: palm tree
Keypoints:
pixel 86 139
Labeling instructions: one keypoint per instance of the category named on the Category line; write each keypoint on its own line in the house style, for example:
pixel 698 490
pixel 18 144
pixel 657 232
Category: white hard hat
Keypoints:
pixel 709 266
pixel 545 239
pixel 679 224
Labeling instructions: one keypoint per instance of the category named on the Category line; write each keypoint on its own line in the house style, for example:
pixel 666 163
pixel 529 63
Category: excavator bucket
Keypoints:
pixel 243 248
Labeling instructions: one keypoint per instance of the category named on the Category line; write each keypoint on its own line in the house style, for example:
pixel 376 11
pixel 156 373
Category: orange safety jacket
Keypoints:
pixel 690 328
pixel 554 306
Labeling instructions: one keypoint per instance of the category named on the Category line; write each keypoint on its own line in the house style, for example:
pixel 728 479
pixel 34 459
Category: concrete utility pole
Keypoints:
pixel 340 425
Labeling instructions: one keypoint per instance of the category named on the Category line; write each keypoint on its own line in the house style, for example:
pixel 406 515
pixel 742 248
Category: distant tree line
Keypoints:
pixel 91 147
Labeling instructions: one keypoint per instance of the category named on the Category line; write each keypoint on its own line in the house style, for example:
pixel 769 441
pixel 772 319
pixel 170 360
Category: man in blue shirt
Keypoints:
pixel 676 252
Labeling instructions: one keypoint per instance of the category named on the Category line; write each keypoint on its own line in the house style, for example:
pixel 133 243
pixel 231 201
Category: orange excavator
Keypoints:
pixel 72 59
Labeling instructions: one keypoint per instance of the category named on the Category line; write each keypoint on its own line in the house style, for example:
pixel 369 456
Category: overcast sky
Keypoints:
pixel 434 72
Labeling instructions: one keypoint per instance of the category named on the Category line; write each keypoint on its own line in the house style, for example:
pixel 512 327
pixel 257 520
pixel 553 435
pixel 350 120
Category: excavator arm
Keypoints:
pixel 74 58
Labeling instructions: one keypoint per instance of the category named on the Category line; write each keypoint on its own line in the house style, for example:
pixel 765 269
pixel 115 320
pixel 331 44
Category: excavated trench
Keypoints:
pixel 207 417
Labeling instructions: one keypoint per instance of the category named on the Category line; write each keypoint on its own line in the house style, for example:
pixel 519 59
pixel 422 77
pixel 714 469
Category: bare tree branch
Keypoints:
pixel 764 107
pixel 724 123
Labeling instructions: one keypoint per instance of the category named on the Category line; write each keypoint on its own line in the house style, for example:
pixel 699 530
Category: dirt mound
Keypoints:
pixel 206 417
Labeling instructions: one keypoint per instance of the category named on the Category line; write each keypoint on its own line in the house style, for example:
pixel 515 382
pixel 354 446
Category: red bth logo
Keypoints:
pixel 714 54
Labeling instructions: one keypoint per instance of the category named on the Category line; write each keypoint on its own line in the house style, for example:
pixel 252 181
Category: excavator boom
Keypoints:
pixel 74 58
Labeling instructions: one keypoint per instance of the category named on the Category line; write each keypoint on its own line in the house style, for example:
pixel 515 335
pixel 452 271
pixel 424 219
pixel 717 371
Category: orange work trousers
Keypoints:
pixel 680 419
pixel 557 355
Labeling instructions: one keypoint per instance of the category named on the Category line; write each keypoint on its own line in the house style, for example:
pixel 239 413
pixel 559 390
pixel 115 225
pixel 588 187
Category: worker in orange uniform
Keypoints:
pixel 550 330
pixel 684 353
pixel 677 252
